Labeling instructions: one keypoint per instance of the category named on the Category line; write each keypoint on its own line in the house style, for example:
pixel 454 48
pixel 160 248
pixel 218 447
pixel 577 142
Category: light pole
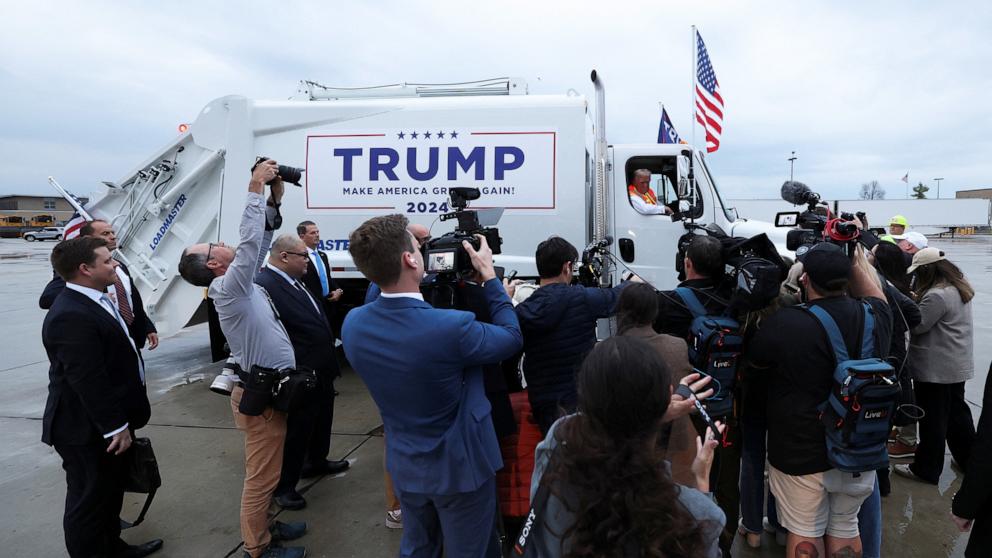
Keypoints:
pixel 938 186
pixel 792 162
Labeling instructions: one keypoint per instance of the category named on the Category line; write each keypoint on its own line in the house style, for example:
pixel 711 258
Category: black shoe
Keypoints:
pixel 290 501
pixel 287 531
pixel 140 550
pixel 276 551
pixel 328 467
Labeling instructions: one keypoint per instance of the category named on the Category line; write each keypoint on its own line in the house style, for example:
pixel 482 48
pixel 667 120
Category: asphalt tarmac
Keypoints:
pixel 201 454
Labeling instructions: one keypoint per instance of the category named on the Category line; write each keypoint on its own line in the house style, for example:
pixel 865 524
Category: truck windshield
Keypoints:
pixel 730 215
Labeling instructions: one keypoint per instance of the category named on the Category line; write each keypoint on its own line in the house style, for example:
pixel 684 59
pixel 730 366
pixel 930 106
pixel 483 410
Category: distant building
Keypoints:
pixel 983 193
pixel 31 207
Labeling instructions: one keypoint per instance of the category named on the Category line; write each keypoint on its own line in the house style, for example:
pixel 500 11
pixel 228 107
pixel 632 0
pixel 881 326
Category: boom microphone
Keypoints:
pixel 798 193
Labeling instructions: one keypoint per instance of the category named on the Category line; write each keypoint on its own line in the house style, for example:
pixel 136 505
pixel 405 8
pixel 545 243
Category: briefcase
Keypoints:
pixel 141 475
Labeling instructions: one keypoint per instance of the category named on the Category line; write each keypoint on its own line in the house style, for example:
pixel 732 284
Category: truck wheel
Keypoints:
pixel 58 237
pixel 29 237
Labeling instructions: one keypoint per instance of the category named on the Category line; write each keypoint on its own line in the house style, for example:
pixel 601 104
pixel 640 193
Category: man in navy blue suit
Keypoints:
pixel 308 428
pixel 423 367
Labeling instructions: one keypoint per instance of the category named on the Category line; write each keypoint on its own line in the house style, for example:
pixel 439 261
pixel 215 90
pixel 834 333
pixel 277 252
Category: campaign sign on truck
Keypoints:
pixel 410 170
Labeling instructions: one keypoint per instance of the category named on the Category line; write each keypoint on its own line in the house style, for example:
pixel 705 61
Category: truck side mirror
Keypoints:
pixel 682 163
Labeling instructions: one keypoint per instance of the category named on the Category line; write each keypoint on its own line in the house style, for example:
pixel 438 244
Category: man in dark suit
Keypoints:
pixel 122 291
pixel 972 505
pixel 423 367
pixel 96 398
pixel 318 274
pixel 308 429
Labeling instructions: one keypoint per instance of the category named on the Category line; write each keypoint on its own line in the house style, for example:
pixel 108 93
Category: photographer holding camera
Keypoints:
pixel 423 367
pixel 815 498
pixel 559 327
pixel 261 347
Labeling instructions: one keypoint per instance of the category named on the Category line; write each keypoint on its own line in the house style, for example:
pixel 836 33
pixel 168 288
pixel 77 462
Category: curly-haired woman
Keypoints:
pixel 608 488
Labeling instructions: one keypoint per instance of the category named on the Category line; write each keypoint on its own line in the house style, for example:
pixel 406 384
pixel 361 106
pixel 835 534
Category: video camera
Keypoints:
pixel 445 256
pixel 816 224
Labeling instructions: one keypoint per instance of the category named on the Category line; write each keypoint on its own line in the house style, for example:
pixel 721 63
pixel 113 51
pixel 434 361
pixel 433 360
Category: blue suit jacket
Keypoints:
pixel 423 367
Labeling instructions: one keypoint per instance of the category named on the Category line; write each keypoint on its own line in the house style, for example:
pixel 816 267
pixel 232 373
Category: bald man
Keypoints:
pixel 308 428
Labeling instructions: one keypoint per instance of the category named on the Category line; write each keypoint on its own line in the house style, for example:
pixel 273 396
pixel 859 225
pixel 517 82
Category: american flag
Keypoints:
pixel 709 103
pixel 73 225
pixel 77 221
pixel 666 132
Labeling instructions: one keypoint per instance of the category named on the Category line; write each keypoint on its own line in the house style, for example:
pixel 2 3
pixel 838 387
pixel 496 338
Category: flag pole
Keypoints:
pixel 68 197
pixel 692 97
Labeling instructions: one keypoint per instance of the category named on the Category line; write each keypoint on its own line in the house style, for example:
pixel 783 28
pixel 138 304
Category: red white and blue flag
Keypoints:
pixel 77 221
pixel 709 103
pixel 666 132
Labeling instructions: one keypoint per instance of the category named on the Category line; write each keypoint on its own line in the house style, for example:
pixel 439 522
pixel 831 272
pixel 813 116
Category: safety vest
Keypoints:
pixel 648 197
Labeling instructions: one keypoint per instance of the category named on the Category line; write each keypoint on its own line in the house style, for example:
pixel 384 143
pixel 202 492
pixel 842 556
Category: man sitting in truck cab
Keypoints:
pixel 642 197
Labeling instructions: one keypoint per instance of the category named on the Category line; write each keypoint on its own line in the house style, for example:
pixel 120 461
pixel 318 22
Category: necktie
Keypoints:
pixel 321 272
pixel 120 320
pixel 306 294
pixel 122 302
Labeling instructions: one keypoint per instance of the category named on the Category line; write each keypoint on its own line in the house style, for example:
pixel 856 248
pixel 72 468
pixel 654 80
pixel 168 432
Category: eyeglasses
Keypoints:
pixel 210 247
pixel 300 254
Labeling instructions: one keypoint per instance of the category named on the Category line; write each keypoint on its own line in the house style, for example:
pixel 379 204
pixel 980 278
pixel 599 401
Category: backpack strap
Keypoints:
pixel 833 332
pixel 691 301
pixel 867 339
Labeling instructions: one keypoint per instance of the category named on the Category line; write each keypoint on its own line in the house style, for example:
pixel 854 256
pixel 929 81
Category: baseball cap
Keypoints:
pixel 890 238
pixel 826 263
pixel 899 220
pixel 924 257
pixel 916 239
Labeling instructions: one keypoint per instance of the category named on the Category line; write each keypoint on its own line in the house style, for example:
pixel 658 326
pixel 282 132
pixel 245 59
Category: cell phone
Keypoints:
pixel 512 275
pixel 706 418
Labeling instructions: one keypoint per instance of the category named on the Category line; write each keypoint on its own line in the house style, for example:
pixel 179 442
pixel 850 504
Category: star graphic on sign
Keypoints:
pixel 454 134
pixel 427 135
pixel 440 135
pixel 413 135
pixel 401 135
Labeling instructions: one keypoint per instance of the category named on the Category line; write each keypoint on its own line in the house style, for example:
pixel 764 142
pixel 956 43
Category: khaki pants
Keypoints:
pixel 264 439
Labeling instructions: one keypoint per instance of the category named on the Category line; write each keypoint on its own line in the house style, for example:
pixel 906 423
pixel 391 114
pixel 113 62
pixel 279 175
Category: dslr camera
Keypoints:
pixel 816 224
pixel 445 256
pixel 288 174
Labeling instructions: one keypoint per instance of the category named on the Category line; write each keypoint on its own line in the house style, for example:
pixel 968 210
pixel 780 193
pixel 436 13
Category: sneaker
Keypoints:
pixel 394 519
pixel 899 450
pixel 287 531
pixel 903 470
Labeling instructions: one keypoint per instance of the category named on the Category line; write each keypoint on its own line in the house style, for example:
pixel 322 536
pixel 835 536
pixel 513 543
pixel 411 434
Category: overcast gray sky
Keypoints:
pixel 860 90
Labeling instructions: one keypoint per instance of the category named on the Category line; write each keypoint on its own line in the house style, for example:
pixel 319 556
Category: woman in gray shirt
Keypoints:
pixel 601 485
pixel 940 360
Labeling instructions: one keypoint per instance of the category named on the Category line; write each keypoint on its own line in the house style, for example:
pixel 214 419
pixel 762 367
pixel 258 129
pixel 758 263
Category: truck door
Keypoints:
pixel 645 233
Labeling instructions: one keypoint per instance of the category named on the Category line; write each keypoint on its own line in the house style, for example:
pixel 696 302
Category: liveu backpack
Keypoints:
pixel 857 416
pixel 715 346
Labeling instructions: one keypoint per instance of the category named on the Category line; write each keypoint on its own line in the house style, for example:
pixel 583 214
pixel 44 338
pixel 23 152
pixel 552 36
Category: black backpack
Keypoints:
pixel 715 347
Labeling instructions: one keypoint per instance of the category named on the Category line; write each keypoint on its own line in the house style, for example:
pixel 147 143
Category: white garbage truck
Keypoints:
pixel 544 159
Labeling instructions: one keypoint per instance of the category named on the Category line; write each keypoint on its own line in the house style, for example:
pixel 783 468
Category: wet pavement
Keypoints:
pixel 201 454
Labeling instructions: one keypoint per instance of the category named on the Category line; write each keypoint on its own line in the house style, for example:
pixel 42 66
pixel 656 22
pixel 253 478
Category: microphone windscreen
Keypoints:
pixel 794 192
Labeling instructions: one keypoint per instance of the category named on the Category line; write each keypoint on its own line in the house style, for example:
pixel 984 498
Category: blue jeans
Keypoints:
pixel 870 524
pixel 753 478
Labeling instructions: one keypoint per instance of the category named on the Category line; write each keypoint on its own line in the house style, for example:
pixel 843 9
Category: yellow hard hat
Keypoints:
pixel 899 220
